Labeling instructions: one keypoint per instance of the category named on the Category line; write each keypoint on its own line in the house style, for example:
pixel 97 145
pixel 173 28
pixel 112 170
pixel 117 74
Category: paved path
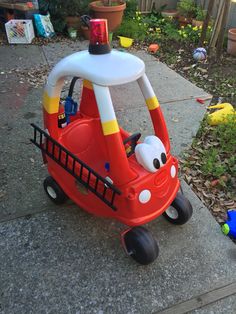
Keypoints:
pixel 62 260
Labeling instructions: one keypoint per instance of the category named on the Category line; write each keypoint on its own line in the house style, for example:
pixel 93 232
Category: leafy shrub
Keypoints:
pixel 211 163
pixel 186 8
pixel 133 28
pixel 200 14
pixel 131 8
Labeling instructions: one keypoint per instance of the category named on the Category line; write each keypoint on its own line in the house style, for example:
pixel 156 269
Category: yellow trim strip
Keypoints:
pixel 152 103
pixel 50 104
pixel 110 127
pixel 87 84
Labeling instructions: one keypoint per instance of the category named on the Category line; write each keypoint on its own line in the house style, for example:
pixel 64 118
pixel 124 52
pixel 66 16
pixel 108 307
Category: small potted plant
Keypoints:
pixel 200 17
pixel 186 10
pixel 73 10
pixel 112 10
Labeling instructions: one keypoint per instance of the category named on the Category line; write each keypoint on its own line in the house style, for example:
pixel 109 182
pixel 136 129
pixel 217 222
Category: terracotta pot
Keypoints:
pixel 169 13
pixel 113 14
pixel 183 21
pixel 197 23
pixel 231 47
pixel 73 22
pixel 85 32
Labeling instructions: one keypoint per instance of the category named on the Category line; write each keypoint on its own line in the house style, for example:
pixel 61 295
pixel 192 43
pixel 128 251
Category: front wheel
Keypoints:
pixel 140 245
pixel 180 210
pixel 54 191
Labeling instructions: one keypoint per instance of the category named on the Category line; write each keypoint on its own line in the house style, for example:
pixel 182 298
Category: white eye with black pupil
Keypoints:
pixel 163 158
pixel 156 163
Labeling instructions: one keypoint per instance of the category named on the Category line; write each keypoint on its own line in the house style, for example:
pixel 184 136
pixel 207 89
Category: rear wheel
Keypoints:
pixel 141 245
pixel 54 191
pixel 180 210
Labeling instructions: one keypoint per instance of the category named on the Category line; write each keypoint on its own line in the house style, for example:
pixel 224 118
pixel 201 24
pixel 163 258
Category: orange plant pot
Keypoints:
pixel 113 14
pixel 231 47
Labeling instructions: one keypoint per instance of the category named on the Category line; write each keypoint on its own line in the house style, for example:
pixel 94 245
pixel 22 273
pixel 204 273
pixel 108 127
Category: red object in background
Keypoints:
pixel 29 5
pixel 98 32
pixel 9 15
pixel 153 48
pixel 200 100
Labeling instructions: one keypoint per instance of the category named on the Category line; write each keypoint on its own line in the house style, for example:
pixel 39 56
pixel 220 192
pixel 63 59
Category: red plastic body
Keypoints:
pixel 84 138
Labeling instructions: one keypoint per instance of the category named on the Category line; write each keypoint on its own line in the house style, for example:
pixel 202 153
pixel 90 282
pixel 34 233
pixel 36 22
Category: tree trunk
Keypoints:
pixel 220 41
pixel 206 22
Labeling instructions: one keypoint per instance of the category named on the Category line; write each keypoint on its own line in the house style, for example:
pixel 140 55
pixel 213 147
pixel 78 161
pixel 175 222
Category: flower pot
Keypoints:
pixel 169 13
pixel 85 32
pixel 231 47
pixel 113 14
pixel 73 22
pixel 184 21
pixel 197 23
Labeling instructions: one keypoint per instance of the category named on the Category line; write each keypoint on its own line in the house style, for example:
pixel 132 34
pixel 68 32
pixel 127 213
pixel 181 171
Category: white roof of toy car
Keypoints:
pixel 109 69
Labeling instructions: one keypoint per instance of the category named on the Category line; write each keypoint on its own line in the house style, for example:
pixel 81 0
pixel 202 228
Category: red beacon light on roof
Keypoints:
pixel 99 42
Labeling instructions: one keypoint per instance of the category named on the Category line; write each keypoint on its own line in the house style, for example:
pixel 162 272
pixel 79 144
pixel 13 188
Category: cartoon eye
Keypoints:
pixel 163 158
pixel 151 154
pixel 156 163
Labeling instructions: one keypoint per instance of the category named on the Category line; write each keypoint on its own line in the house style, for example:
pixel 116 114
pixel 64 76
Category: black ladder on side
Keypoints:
pixel 86 176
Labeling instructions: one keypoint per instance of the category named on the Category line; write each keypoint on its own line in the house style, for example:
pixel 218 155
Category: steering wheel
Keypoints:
pixel 132 139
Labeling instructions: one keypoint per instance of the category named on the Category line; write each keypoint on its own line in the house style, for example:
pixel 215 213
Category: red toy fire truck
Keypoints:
pixel 96 163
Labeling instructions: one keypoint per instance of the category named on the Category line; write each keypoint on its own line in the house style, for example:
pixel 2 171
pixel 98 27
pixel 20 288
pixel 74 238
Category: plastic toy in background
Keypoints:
pixel 153 48
pixel 125 42
pixel 229 227
pixel 95 162
pixel 202 100
pixel 199 54
pixel 220 116
pixel 44 26
pixel 72 33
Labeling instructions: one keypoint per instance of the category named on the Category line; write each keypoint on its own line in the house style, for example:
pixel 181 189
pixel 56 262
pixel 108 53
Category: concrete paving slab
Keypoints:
pixel 21 56
pixel 66 261
pixel 183 119
pixel 54 52
pixel 169 86
pixel 227 305
pixel 21 166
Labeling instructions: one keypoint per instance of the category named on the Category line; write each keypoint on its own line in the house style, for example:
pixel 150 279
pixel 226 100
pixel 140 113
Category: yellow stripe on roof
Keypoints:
pixel 152 103
pixel 87 84
pixel 110 127
pixel 50 104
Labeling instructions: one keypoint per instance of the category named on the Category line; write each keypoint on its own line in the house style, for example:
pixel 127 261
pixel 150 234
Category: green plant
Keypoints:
pixel 211 163
pixel 160 28
pixel 200 14
pixel 190 33
pixel 131 8
pixel 59 9
pixel 133 28
pixel 186 8
pixel 226 134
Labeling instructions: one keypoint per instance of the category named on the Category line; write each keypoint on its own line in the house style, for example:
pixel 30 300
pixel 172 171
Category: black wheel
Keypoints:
pixel 180 210
pixel 140 245
pixel 54 191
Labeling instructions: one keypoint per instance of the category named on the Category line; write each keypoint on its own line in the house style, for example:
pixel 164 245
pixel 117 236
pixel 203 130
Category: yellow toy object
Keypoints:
pixel 220 116
pixel 125 42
